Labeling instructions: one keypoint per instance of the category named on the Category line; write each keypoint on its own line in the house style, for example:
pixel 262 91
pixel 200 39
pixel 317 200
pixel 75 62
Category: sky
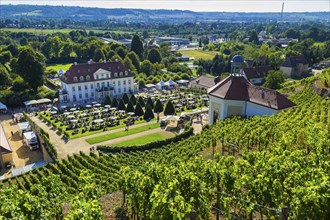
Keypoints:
pixel 194 5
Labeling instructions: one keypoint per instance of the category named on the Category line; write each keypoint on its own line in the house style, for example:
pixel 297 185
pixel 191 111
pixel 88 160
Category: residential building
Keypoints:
pixel 295 66
pixel 256 75
pixel 235 95
pixel 93 81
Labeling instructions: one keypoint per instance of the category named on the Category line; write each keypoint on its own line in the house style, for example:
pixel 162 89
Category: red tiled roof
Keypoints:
pixel 239 88
pixel 86 69
pixel 256 72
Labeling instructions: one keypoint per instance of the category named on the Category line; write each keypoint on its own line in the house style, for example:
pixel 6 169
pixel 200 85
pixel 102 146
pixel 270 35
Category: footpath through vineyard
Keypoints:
pixel 264 164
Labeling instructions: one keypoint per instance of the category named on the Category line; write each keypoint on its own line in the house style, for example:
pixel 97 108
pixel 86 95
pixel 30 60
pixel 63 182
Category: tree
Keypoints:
pixel 135 60
pixel 130 107
pixel 121 52
pixel 254 37
pixel 121 105
pixel 206 40
pixel 125 98
pixel 154 56
pixel 199 70
pixel 148 115
pixel 146 67
pixel 133 99
pixel 114 103
pixel 99 55
pixel 216 68
pixel 150 102
pixel 274 79
pixel 158 107
pixel 110 54
pixel 200 42
pixel 4 77
pixel 137 46
pixel 31 66
pixel 23 41
pixel 141 101
pixel 128 64
pixel 107 100
pixel 169 108
pixel 138 110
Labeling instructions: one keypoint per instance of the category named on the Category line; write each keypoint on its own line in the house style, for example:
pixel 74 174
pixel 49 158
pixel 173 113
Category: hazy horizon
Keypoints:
pixel 198 6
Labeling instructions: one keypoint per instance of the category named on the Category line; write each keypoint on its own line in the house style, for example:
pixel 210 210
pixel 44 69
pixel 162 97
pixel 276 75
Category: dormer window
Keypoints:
pixel 75 79
pixel 97 76
pixel 116 74
pixel 109 68
pixel 88 70
pixel 118 67
pixel 88 77
pixel 81 78
pixel 126 73
pixel 121 74
pixel 107 75
pixel 78 71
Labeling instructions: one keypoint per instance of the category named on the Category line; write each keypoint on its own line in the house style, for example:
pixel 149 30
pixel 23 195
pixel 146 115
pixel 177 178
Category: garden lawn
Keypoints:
pixel 122 133
pixel 197 54
pixel 142 140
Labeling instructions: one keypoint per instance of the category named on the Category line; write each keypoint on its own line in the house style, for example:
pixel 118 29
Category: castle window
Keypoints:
pixel 75 79
pixel 81 78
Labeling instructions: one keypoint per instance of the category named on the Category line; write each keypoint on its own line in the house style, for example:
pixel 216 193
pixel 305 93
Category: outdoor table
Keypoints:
pixel 98 120
pixel 107 106
pixel 70 116
pixel 74 120
pixel 83 114
pixel 73 109
pixel 97 105
pixel 53 112
pixel 66 113
pixel 130 113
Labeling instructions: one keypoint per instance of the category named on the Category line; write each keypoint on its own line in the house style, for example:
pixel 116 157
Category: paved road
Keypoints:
pixel 65 148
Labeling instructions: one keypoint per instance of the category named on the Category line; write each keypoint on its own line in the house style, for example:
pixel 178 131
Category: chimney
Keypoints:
pixel 116 60
pixel 75 63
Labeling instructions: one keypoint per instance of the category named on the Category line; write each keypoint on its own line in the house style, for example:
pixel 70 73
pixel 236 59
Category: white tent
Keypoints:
pixel 31 102
pixel 172 118
pixel 161 85
pixel 45 100
pixel 60 71
pixel 3 106
pixel 170 82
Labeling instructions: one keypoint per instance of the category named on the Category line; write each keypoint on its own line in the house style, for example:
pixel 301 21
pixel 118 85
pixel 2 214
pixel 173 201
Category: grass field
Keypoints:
pixel 51 31
pixel 142 140
pixel 119 134
pixel 56 67
pixel 197 54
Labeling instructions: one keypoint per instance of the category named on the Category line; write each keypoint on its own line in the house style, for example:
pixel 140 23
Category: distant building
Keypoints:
pixel 204 82
pixel 92 81
pixel 172 40
pixel 235 95
pixel 295 66
pixel 126 42
pixel 256 75
pixel 183 58
pixel 324 63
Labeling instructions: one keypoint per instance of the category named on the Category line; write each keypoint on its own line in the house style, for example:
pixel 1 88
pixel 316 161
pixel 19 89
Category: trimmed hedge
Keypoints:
pixel 149 146
pixel 49 146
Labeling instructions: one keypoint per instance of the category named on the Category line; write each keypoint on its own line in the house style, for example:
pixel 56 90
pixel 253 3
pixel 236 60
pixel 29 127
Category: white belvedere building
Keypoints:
pixel 92 81
pixel 235 95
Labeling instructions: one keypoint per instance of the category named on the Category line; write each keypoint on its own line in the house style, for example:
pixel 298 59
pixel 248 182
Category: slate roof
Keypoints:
pixel 293 61
pixel 256 72
pixel 239 88
pixel 88 69
pixel 205 81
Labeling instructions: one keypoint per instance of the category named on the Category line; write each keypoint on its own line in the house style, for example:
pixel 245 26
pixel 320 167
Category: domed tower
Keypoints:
pixel 237 64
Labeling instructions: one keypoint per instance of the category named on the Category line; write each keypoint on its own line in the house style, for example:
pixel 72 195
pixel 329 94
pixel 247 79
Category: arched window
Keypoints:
pixel 121 74
pixel 116 74
pixel 126 73
pixel 75 79
pixel 88 77
pixel 81 78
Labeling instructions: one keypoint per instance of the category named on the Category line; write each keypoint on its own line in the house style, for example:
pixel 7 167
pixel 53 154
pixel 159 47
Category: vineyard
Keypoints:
pixel 264 163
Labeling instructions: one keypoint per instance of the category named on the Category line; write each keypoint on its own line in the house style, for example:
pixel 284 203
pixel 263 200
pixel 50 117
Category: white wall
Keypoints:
pixel 286 70
pixel 90 90
pixel 255 109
